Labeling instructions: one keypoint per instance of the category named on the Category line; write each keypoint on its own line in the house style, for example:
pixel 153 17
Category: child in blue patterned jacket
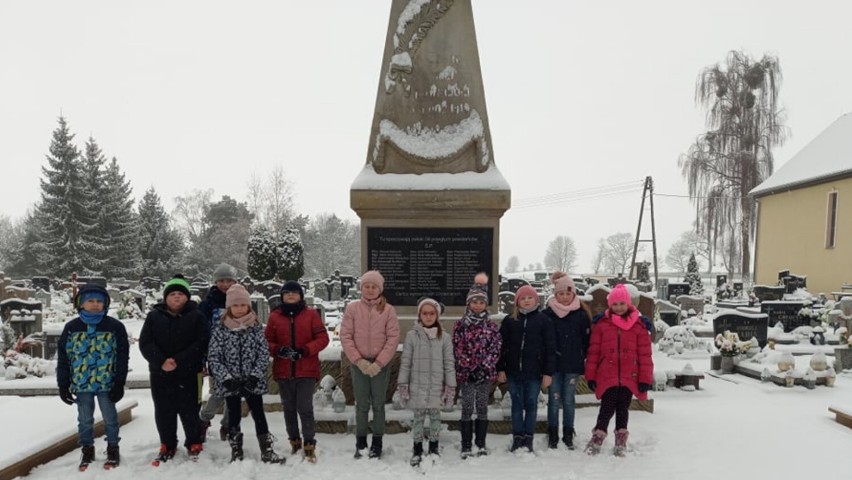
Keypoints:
pixel 92 363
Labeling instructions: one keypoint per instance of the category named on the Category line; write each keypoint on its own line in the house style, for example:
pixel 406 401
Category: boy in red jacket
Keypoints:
pixel 618 366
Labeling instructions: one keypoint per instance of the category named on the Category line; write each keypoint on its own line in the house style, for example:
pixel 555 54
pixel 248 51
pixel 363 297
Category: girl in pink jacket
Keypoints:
pixel 618 366
pixel 370 336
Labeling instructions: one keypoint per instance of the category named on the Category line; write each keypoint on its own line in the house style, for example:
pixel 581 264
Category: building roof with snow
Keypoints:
pixel 826 157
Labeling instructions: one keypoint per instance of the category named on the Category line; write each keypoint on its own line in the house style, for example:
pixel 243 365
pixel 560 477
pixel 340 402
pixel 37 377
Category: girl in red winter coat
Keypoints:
pixel 618 366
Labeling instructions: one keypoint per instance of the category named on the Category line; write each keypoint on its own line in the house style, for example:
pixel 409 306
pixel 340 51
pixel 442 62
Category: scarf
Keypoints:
pixel 292 308
pixel 431 332
pixel 563 310
pixel 246 321
pixel 625 322
pixel 527 311
pixel 92 319
pixel 474 318
pixel 370 303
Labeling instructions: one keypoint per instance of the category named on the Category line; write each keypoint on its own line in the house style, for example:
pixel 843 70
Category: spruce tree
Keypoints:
pixel 693 278
pixel 262 254
pixel 64 214
pixel 118 224
pixel 291 256
pixel 92 164
pixel 160 245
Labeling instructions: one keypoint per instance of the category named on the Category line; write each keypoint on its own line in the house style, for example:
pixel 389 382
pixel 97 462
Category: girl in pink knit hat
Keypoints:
pixel 618 366
pixel 369 334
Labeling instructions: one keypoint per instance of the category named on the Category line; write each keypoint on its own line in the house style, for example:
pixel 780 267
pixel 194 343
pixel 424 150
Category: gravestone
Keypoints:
pixel 793 282
pixel 260 307
pixel 677 289
pixel 744 324
pixel 646 306
pixel 598 303
pixel 515 284
pixel 591 282
pixel 506 302
pixel 430 195
pixel 721 280
pixel 270 288
pixel 346 283
pixel 738 288
pixel 669 312
pixel 782 274
pixel 94 280
pixel 691 302
pixel 139 298
pixel 663 289
pixel 785 312
pixel 42 283
pixel 44 297
pixel 731 304
pixel 152 283
pixel 273 301
pixel 114 295
pixel 767 292
pixel 335 292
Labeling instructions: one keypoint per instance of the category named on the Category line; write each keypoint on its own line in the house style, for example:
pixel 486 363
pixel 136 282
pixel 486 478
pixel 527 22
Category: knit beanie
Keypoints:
pixel 237 295
pixel 224 272
pixel 374 277
pixel 435 305
pixel 91 291
pixel 477 292
pixel 524 291
pixel 292 286
pixel 618 294
pixel 562 282
pixel 177 284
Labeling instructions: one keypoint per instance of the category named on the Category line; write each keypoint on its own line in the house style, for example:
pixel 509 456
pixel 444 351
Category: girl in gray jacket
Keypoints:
pixel 427 375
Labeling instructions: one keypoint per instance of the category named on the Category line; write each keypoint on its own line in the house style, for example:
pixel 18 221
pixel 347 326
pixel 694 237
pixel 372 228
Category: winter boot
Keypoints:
pixel 360 446
pixel 165 455
pixel 594 445
pixel 235 440
pixel 480 428
pixel 295 445
pixel 552 437
pixel 87 456
pixel 434 449
pixel 466 438
pixel 194 451
pixel 203 426
pixel 517 442
pixel 620 442
pixel 568 437
pixel 223 433
pixel 416 454
pixel 267 454
pixel 528 442
pixel 113 457
pixel 376 447
pixel 311 451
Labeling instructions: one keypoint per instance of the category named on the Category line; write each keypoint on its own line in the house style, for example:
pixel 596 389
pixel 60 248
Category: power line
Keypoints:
pixel 580 195
pixel 730 197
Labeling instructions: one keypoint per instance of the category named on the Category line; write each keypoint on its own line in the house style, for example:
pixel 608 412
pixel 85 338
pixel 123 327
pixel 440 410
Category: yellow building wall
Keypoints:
pixel 791 235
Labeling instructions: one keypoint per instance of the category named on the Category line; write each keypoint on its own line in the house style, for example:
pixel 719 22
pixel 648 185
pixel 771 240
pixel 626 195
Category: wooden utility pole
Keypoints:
pixel 647 192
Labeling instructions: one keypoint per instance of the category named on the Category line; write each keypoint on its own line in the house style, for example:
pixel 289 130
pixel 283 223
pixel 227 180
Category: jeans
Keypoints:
pixel 86 417
pixel 524 392
pixel 297 399
pixel 370 393
pixel 561 392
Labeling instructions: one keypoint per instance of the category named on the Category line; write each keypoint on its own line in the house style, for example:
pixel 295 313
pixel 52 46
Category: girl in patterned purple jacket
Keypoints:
pixel 476 346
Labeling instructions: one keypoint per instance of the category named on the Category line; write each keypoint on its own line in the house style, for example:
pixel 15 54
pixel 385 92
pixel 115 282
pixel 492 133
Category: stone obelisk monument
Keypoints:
pixel 430 196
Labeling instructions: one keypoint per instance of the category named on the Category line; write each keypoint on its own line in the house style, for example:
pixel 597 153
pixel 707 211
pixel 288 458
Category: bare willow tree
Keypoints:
pixel 745 123
pixel 270 199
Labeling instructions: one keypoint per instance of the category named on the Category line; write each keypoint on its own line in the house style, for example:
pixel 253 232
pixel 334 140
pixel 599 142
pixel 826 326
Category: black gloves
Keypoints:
pixel 66 396
pixel 116 393
pixel 290 353
pixel 251 383
pixel 644 387
pixel 593 385
pixel 232 385
pixel 477 376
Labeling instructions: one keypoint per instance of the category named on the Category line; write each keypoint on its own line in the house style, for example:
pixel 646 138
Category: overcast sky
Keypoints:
pixel 200 94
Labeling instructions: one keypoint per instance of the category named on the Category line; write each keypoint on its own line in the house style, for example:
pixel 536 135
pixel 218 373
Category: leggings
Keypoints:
pixel 474 396
pixel 615 400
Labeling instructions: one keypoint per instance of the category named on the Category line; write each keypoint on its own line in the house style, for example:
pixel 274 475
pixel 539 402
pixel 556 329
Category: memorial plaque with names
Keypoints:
pixel 433 262
pixel 745 325
pixel 677 289
pixel 785 312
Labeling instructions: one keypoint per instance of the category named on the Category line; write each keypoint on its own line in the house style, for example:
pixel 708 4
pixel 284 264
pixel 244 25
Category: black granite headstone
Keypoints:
pixel 678 289
pixel 745 325
pixel 785 312
pixel 721 280
pixel 42 283
pixel 516 283
pixel 672 318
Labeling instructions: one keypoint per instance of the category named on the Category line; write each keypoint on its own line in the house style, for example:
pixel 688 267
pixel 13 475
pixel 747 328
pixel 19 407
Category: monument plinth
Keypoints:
pixel 430 196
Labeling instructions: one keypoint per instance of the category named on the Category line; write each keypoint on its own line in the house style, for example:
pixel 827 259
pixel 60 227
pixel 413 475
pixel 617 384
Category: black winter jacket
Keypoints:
pixel 215 300
pixel 528 346
pixel 183 337
pixel 571 334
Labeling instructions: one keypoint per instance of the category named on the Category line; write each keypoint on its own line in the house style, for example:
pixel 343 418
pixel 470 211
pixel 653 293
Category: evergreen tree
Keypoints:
pixel 64 214
pixel 291 256
pixel 160 245
pixel 693 278
pixel 92 164
pixel 118 224
pixel 262 254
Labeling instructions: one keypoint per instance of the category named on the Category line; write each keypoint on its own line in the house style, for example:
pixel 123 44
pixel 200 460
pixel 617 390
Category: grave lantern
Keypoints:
pixel 338 401
pixel 830 377
pixel 787 362
pixel 789 379
pixel 809 380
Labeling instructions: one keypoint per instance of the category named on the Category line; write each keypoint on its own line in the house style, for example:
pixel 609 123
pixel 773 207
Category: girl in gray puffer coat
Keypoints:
pixel 427 375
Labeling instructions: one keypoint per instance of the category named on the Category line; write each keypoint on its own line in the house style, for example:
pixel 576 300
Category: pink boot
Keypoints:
pixel 594 445
pixel 620 442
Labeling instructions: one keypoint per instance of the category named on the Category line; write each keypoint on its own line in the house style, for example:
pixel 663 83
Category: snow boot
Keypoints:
pixel 223 433
pixel 376 447
pixel 295 445
pixel 194 450
pixel 594 445
pixel 360 446
pixel 480 429
pixel 517 442
pixel 267 454
pixel 552 437
pixel 87 456
pixel 235 440
pixel 416 454
pixel 568 437
pixel 311 451
pixel 434 449
pixel 528 442
pixel 165 455
pixel 466 438
pixel 113 457
pixel 203 426
pixel 620 442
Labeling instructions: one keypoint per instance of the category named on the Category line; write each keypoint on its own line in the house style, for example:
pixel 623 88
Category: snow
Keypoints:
pixel 825 156
pixel 490 179
pixel 433 143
